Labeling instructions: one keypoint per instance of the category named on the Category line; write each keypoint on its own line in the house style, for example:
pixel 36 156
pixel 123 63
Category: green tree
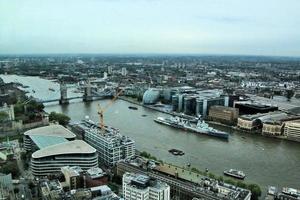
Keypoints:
pixel 255 190
pixel 10 167
pixel 289 94
pixel 241 184
pixel 3 116
pixel 59 117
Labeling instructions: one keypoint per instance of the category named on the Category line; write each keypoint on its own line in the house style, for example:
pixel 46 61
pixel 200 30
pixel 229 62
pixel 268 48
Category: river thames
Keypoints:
pixel 266 161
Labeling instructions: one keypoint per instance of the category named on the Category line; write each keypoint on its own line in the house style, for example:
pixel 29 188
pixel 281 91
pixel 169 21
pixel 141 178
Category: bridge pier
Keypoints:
pixel 63 94
pixel 87 92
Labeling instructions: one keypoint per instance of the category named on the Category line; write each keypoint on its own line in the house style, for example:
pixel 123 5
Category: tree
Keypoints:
pixel 255 190
pixel 289 94
pixel 3 116
pixel 10 167
pixel 59 117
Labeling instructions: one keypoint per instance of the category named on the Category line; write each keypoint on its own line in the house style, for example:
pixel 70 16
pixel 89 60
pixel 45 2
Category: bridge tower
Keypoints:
pixel 63 94
pixel 87 96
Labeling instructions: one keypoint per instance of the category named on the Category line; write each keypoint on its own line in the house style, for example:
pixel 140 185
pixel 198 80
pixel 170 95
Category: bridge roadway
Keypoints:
pixel 71 98
pixel 54 100
pixel 187 187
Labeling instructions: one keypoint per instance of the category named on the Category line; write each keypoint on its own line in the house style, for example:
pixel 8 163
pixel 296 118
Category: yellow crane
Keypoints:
pixel 102 110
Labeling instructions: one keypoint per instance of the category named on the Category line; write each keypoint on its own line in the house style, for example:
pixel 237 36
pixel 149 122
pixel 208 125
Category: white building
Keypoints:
pixel 292 130
pixel 141 187
pixel 110 144
pixel 124 71
pixel 109 69
pixel 54 147
pixel 51 159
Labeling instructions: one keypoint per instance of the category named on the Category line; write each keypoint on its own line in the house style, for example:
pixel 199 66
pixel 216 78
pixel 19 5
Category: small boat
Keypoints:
pixel 235 173
pixel 132 107
pixel 51 89
pixel 144 115
pixel 176 152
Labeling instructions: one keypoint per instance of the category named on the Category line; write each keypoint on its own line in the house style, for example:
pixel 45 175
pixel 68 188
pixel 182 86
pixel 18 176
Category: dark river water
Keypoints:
pixel 266 161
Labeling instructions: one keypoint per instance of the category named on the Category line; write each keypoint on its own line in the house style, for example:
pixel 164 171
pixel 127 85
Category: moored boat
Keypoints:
pixel 132 107
pixel 235 173
pixel 201 127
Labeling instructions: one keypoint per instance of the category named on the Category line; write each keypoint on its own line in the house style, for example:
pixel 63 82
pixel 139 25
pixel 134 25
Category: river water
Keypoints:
pixel 265 161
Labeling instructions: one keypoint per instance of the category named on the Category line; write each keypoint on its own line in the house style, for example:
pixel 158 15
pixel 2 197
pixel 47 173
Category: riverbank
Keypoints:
pixel 234 128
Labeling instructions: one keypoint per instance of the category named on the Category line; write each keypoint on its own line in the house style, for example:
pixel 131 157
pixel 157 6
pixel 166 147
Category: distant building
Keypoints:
pixel 226 115
pixel 270 124
pixel 151 96
pixel 110 70
pixel 247 108
pixel 194 102
pixel 124 71
pixel 141 187
pixel 292 130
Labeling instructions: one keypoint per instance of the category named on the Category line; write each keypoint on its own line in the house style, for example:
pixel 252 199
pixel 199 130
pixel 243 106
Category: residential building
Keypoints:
pixel 109 143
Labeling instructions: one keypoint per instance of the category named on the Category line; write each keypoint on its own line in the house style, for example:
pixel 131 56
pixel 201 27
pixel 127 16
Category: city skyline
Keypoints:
pixel 150 26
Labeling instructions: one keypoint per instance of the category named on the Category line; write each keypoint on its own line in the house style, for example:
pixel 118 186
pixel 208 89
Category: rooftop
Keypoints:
pixel 72 147
pixel 51 130
pixel 95 172
pixel 46 141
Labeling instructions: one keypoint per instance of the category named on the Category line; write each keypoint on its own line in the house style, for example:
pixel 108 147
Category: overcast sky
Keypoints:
pixel 256 27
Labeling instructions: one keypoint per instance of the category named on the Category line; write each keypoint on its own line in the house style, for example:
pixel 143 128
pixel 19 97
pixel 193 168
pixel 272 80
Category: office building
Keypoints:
pixel 141 187
pixel 38 138
pixel 50 159
pixel 247 108
pixel 54 147
pixel 226 115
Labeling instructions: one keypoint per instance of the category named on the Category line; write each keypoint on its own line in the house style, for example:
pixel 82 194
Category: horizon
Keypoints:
pixel 122 27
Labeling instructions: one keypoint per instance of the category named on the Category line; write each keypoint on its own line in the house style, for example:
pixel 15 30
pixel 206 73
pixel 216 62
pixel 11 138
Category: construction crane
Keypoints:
pixel 102 110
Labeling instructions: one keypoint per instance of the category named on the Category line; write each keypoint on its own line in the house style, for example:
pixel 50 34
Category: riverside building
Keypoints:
pixel 109 143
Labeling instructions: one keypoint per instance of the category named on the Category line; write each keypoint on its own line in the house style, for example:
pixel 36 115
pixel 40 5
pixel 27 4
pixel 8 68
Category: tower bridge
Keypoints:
pixel 90 93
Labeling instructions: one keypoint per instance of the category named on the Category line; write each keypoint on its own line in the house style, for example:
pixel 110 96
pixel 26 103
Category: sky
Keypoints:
pixel 240 27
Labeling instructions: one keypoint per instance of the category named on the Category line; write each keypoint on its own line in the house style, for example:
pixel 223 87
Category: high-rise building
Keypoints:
pixel 141 187
pixel 124 71
pixel 110 69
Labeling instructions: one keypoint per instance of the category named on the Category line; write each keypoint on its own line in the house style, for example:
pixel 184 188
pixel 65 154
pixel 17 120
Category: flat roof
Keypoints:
pixel 72 147
pixel 51 130
pixel 45 141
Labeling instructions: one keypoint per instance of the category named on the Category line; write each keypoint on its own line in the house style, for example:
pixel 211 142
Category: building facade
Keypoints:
pixel 109 143
pixel 224 114
pixel 51 159
pixel 141 187
pixel 292 130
